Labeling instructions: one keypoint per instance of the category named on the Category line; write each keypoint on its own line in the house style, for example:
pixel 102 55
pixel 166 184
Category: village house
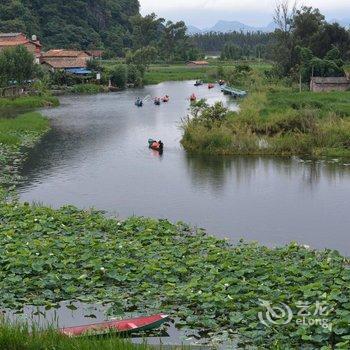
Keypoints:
pixel 197 63
pixel 60 59
pixel 320 84
pixel 8 40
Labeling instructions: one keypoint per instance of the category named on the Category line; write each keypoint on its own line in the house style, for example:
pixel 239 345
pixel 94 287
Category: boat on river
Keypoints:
pixel 198 83
pixel 132 325
pixel 193 98
pixel 165 99
pixel 157 101
pixel 139 102
pixel 155 145
pixel 211 86
pixel 227 90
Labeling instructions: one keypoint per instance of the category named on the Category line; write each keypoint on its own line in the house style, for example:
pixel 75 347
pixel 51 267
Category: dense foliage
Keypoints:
pixel 16 66
pixel 306 31
pixel 141 264
pixel 250 44
pixel 156 39
pixel 79 24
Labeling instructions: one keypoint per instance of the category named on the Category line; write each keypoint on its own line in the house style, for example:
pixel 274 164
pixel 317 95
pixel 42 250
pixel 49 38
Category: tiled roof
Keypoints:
pixel 330 80
pixel 64 53
pixel 9 35
pixel 14 39
pixel 13 42
pixel 61 63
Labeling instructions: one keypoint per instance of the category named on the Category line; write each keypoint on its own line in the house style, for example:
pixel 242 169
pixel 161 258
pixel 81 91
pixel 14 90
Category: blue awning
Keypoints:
pixel 80 71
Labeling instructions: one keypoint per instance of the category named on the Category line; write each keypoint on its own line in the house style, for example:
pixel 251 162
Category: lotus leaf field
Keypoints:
pixel 144 265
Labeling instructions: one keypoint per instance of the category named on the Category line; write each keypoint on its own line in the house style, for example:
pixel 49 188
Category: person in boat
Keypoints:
pixel 139 102
pixel 157 101
pixel 193 97
pixel 161 145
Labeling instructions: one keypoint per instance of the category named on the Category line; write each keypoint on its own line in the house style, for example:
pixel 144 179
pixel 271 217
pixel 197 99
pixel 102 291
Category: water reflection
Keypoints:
pixel 216 171
pixel 97 156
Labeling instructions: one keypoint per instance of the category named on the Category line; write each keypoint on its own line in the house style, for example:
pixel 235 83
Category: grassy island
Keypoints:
pixel 275 119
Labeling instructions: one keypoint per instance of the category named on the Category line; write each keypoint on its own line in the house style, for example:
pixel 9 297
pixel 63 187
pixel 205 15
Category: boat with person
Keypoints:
pixel 156 145
pixel 165 99
pixel 198 83
pixel 132 325
pixel 139 102
pixel 193 98
pixel 211 86
pixel 157 101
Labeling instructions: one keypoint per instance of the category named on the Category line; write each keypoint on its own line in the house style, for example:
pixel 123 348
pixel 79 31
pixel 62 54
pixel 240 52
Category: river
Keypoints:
pixel 97 156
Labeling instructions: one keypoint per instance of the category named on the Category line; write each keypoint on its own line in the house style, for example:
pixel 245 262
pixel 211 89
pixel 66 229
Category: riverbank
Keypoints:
pixel 19 337
pixel 275 120
pixel 16 136
pixel 29 102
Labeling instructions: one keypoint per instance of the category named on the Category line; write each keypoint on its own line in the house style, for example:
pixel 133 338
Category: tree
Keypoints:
pixel 119 75
pixel 146 30
pixel 283 49
pixel 307 23
pixel 310 65
pixel 84 24
pixel 16 66
pixel 231 52
pixel 142 57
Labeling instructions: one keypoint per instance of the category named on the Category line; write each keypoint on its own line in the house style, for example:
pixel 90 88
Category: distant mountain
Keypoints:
pixel 343 22
pixel 192 30
pixel 231 26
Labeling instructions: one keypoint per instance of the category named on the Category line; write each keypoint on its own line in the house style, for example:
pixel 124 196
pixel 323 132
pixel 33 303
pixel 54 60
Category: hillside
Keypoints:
pixel 75 24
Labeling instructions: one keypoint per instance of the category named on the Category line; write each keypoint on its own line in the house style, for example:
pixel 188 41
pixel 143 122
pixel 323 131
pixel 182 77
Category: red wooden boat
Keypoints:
pixel 131 325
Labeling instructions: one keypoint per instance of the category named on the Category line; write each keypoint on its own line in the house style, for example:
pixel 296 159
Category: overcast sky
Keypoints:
pixel 205 13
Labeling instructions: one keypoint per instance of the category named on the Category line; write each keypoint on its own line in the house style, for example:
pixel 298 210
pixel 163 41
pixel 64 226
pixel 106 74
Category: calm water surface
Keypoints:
pixel 97 156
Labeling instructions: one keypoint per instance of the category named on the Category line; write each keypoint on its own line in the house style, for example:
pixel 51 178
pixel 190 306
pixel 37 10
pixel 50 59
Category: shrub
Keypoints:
pixel 119 75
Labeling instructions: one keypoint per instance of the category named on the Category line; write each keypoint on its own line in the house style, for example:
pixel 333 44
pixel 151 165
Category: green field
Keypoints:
pixel 179 72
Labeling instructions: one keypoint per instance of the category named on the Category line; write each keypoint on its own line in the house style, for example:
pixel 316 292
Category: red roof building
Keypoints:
pixel 15 39
pixel 57 59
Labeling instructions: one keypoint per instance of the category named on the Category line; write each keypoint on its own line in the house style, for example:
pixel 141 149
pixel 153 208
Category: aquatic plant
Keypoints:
pixel 143 266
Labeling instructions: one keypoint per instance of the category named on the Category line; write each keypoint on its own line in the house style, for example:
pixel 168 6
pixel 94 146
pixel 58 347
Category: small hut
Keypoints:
pixel 321 84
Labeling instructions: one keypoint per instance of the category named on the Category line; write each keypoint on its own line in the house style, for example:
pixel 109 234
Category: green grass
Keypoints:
pixel 16 135
pixel 28 102
pixel 26 127
pixel 158 74
pixel 21 337
pixel 276 120
pixel 179 72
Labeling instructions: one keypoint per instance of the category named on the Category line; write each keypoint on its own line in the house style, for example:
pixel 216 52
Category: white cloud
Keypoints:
pixel 205 13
